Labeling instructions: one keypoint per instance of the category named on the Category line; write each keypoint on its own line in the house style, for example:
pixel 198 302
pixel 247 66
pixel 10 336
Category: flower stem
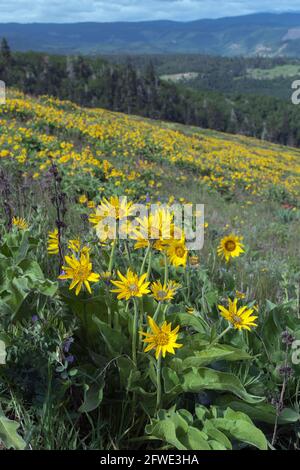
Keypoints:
pixel 188 281
pixel 135 332
pixel 141 306
pixel 128 252
pixel 149 265
pixel 220 336
pixel 145 259
pixel 156 312
pixel 158 385
pixel 112 256
pixel 109 315
pixel 166 269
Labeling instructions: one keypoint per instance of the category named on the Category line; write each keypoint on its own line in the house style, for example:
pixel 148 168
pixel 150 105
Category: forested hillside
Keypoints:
pixel 263 34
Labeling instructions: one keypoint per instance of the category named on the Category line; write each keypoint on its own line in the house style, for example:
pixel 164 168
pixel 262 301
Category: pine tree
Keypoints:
pixel 5 52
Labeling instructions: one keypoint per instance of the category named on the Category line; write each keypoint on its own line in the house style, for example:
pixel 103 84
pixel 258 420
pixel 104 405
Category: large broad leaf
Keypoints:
pixel 215 353
pixel 9 435
pixel 168 426
pixel 263 412
pixel 93 397
pixel 205 431
pixel 32 269
pixel 184 319
pixel 195 439
pixel 171 380
pixel 33 272
pixel 18 292
pixel 195 380
pixel 84 308
pixel 115 341
pixel 166 432
pixel 216 435
pixel 2 352
pixel 171 427
pixel 241 428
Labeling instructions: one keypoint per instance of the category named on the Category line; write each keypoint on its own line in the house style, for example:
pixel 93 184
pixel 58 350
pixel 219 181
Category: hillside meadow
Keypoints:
pixel 138 342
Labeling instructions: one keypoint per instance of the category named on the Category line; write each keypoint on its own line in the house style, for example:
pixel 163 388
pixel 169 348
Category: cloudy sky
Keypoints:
pixel 61 11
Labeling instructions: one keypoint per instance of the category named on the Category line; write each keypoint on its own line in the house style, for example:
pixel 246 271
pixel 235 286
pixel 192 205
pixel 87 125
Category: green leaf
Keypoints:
pixel 9 435
pixel 195 439
pixel 32 269
pixel 216 434
pixel 115 341
pixel 288 415
pixel 165 430
pixel 241 428
pixel 215 445
pixel 171 380
pixel 184 319
pixel 263 412
pixel 18 291
pixel 215 353
pixel 93 397
pixel 174 427
pixel 195 380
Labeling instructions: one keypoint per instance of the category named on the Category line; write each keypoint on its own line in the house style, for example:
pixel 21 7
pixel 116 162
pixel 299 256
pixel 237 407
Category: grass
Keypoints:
pixel 284 71
pixel 179 77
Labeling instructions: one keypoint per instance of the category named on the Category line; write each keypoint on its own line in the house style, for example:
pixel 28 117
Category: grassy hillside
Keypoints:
pixel 76 372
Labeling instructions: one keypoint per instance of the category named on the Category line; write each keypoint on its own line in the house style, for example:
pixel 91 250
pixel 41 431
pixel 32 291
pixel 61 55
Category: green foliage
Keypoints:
pixel 207 430
pixel 9 435
pixel 8 428
pixel 23 275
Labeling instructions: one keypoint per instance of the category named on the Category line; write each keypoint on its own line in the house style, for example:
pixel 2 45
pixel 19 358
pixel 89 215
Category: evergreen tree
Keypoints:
pixel 5 52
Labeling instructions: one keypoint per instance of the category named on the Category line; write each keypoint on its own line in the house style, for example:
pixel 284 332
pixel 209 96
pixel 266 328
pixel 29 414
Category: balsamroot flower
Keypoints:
pixel 154 230
pixel 162 339
pixel 230 247
pixel 177 252
pixel 131 285
pixel 164 292
pixel 241 318
pixel 80 271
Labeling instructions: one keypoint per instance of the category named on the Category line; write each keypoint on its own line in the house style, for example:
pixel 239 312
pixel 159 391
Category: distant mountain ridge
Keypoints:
pixel 264 34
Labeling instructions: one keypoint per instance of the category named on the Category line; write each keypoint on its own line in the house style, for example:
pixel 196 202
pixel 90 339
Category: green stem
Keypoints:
pixel 188 281
pixel 166 269
pixel 165 311
pixel 109 315
pixel 135 332
pixel 149 265
pixel 112 256
pixel 220 336
pixel 145 259
pixel 158 385
pixel 128 252
pixel 141 305
pixel 156 312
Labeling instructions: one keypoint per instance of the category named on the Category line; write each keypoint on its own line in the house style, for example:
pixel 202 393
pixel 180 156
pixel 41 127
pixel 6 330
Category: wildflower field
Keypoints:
pixel 138 342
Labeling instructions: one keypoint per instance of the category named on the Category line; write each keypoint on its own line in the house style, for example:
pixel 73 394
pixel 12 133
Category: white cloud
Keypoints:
pixel 133 10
